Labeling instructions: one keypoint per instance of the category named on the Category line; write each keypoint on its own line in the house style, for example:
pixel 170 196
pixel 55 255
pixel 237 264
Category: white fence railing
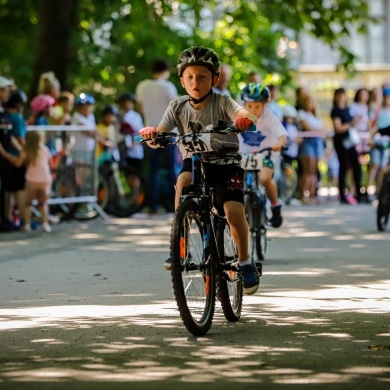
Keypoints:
pixel 74 168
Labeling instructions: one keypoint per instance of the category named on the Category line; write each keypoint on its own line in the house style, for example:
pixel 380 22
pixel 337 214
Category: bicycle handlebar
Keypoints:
pixel 159 138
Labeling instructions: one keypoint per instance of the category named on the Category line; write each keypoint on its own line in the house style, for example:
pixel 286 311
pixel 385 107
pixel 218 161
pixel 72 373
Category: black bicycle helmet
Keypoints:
pixel 16 98
pixel 254 92
pixel 126 96
pixel 109 110
pixel 198 55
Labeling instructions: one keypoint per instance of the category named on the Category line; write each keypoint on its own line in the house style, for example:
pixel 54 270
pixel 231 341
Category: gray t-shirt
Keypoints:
pixel 220 108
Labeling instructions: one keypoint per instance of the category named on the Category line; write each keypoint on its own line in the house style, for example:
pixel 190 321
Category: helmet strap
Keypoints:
pixel 197 101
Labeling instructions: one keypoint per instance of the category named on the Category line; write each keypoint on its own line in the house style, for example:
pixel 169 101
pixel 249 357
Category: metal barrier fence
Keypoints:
pixel 74 167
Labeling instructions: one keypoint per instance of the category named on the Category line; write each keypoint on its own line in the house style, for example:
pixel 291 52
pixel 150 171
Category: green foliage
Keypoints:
pixel 114 42
pixel 18 21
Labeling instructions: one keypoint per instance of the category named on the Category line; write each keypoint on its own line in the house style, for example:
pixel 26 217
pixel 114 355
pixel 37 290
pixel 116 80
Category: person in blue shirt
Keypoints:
pixel 15 184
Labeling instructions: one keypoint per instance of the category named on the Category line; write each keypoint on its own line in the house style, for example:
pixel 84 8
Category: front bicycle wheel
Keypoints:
pixel 249 203
pixel 256 233
pixel 193 276
pixel 229 282
pixel 383 210
pixel 261 232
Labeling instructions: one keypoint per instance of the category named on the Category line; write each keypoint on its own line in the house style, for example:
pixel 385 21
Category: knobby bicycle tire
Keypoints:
pixel 193 275
pixel 134 196
pixel 261 232
pixel 229 282
pixel 250 216
pixel 257 231
pixel 383 210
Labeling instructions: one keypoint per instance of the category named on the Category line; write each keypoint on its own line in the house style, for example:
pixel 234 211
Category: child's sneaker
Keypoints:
pixel 250 278
pixel 54 219
pixel 167 264
pixel 276 220
pixel 34 225
pixel 46 227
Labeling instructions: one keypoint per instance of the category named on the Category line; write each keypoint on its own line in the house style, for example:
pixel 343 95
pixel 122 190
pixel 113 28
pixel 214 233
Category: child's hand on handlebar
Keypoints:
pixel 277 147
pixel 148 132
pixel 242 124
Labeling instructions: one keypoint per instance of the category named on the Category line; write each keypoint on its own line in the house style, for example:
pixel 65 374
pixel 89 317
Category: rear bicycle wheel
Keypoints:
pixel 229 282
pixel 383 210
pixel 193 276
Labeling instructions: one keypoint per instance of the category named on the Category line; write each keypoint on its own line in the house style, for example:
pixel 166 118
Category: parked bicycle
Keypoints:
pixel 126 186
pixel 121 189
pixel 203 255
pixel 64 185
pixel 383 209
pixel 255 202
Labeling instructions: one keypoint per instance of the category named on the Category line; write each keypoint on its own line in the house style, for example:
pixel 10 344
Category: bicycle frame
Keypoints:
pixel 199 190
pixel 251 176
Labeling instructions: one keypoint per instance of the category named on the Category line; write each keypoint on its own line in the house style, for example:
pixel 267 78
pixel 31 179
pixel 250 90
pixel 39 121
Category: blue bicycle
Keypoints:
pixel 255 201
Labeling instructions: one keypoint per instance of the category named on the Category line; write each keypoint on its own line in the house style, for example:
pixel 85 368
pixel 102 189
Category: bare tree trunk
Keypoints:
pixel 55 20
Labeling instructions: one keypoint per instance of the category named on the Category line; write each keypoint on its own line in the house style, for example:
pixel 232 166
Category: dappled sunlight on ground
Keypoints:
pixel 119 324
pixel 312 320
pixel 266 358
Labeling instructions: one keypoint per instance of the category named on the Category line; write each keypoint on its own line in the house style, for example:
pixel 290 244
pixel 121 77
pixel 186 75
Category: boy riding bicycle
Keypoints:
pixel 269 133
pixel 198 68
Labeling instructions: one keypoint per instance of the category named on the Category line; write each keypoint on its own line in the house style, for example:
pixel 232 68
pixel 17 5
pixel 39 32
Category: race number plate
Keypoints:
pixel 252 161
pixel 188 146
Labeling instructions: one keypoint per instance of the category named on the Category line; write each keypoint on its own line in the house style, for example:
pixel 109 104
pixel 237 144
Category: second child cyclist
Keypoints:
pixel 272 134
pixel 198 68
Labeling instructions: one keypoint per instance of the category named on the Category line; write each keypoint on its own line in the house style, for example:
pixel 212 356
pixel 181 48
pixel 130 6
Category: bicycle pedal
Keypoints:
pixel 259 267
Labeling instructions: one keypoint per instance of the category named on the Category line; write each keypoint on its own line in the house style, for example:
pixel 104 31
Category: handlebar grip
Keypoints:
pixel 252 127
pixel 138 138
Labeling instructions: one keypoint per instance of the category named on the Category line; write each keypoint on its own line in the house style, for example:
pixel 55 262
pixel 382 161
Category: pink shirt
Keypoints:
pixel 40 171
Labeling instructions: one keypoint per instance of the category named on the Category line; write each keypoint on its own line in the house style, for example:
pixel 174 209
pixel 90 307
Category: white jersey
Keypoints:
pixel 83 141
pixel 155 95
pixel 134 119
pixel 268 130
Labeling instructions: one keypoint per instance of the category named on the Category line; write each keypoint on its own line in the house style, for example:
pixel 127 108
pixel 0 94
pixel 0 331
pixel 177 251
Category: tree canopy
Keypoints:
pixel 108 46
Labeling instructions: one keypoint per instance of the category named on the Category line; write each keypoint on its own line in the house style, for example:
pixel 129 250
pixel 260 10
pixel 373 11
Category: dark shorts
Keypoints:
pixel 16 181
pixel 135 163
pixel 227 180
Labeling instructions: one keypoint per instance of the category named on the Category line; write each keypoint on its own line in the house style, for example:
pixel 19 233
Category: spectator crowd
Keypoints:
pixel 355 156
